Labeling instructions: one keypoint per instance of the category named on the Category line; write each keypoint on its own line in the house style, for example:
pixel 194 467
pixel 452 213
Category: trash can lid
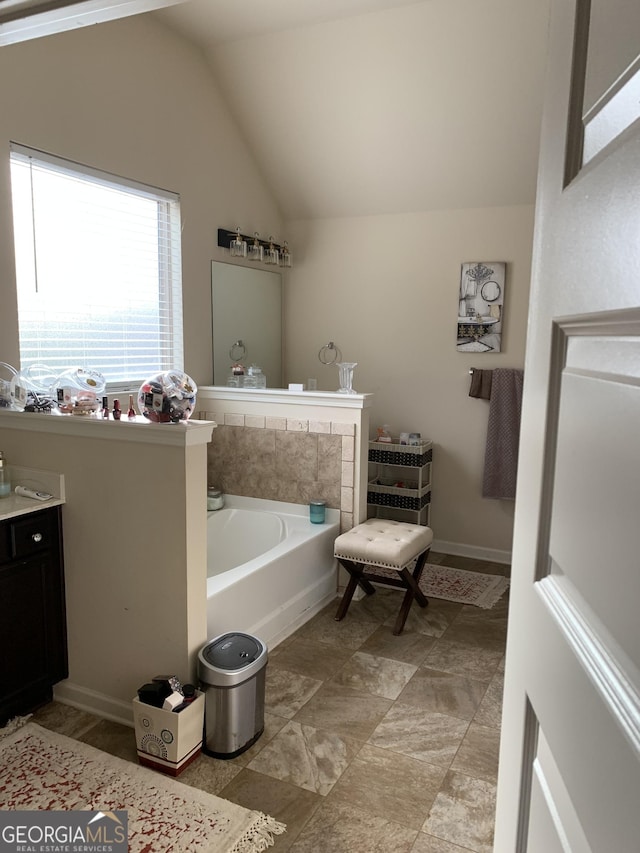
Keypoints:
pixel 232 651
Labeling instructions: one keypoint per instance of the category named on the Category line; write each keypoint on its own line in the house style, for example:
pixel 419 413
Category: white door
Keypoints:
pixel 570 751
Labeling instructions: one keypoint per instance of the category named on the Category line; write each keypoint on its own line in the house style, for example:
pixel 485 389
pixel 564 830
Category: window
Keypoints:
pixel 98 270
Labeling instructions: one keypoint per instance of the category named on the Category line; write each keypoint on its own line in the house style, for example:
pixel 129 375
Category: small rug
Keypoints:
pixel 458 585
pixel 463 587
pixel 40 769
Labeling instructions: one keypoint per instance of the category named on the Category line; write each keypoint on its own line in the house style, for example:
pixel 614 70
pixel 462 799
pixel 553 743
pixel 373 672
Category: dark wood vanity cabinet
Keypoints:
pixel 33 635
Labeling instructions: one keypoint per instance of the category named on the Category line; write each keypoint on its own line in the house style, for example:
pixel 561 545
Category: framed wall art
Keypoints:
pixel 481 306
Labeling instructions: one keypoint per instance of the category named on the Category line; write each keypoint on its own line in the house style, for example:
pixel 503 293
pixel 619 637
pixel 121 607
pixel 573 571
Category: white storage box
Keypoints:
pixel 166 740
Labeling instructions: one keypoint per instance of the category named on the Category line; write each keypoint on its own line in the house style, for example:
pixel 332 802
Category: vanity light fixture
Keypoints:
pixel 272 255
pixel 238 245
pixel 285 256
pixel 254 249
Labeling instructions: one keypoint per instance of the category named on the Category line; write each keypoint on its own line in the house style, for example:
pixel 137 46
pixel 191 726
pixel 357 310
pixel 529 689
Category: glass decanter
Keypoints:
pixel 345 369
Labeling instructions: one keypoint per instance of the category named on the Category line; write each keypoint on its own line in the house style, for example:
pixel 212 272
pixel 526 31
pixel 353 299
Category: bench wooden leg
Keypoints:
pixel 355 578
pixel 413 591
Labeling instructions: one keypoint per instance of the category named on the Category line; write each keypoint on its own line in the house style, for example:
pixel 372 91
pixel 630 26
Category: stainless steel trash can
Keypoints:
pixel 231 671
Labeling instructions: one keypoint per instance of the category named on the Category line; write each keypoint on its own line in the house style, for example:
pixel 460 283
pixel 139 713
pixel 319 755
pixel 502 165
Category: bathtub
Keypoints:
pixel 269 570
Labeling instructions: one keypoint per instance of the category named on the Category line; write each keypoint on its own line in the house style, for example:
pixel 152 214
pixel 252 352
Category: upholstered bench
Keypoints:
pixel 392 546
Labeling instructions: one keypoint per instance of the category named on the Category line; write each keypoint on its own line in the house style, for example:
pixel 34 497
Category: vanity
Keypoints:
pixel 33 633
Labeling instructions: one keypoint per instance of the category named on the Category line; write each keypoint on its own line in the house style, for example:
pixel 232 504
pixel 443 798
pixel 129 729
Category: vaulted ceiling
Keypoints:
pixel 360 107
pixel 365 107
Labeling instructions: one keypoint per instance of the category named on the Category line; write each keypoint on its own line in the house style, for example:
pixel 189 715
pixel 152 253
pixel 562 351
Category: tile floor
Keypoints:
pixel 372 743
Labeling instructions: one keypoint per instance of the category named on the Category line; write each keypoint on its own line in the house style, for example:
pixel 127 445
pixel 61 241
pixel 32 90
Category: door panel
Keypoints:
pixel 570 750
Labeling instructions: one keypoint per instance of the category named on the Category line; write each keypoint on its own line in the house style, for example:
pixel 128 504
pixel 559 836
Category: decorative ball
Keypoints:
pixel 79 391
pixel 167 397
pixel 32 389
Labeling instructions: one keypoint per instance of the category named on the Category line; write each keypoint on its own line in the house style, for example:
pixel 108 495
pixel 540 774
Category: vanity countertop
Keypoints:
pixel 33 478
pixel 15 505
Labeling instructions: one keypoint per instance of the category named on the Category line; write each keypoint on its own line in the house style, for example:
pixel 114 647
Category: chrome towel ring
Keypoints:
pixel 329 354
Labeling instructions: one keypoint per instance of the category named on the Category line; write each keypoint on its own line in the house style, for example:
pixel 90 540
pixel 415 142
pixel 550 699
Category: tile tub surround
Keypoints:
pixel 372 742
pixel 284 459
pixel 294 446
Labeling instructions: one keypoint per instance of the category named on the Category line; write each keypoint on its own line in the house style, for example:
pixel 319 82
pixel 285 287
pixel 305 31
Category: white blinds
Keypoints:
pixel 98 270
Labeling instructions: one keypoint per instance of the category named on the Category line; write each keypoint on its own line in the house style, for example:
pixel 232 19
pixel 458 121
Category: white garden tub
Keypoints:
pixel 269 569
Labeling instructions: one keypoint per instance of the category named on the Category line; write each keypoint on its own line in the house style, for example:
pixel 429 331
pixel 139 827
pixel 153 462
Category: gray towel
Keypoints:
pixel 481 383
pixel 503 435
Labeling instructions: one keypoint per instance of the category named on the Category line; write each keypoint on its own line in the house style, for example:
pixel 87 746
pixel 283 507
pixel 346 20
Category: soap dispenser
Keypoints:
pixel 5 480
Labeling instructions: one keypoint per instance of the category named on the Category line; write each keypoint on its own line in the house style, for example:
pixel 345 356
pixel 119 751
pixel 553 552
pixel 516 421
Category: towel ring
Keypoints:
pixel 325 351
pixel 238 345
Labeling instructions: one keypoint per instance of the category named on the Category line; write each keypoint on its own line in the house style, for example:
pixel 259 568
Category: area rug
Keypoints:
pixel 40 769
pixel 463 587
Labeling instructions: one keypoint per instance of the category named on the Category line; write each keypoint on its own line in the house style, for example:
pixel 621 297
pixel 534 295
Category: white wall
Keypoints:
pixel 131 98
pixel 385 290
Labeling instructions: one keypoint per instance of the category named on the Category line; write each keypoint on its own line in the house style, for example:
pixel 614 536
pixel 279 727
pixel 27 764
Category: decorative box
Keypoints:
pixel 168 740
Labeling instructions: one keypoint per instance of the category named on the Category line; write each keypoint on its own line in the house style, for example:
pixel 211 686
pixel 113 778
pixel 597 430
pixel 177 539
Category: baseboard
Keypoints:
pixel 493 555
pixel 84 699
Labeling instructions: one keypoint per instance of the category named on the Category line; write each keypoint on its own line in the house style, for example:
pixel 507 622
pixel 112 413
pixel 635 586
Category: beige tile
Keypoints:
pixel 309 658
pixel 486 629
pixel 329 458
pixel 489 711
pixel 113 738
pixel 378 607
pixel 347 474
pixel 471 661
pixel 409 647
pixel 297 425
pixel 463 813
pixel 346 499
pixel 272 422
pixel 429 844
pixel 348 448
pixel 320 426
pixel 391 786
pixel 478 753
pixel 272 725
pixel 348 633
pixel 306 756
pixel 209 774
pixel 377 675
pixel 420 734
pixel 432 620
pixel 286 692
pixel 64 719
pixel 343 429
pixel 346 521
pixel 231 419
pixel 296 455
pixel 318 490
pixel 287 803
pixel 339 828
pixel 444 692
pixel 254 421
pixel 350 713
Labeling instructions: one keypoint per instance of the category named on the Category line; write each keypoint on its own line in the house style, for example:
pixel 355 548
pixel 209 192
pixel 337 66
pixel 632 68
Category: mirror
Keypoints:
pixel 246 305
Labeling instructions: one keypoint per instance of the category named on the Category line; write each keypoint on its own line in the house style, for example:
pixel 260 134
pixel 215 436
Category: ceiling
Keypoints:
pixel 370 107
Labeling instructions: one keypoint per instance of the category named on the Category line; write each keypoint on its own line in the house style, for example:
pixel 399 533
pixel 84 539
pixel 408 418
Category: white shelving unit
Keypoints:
pixel 400 481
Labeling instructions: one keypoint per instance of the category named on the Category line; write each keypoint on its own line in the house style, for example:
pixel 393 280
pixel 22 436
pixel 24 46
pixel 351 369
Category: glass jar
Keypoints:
pixel 317 511
pixel 215 499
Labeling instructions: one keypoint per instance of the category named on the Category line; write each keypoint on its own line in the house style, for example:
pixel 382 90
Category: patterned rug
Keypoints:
pixel 40 769
pixel 464 587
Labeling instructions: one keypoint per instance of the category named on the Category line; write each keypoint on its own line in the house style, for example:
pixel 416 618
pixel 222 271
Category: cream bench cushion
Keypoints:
pixel 383 542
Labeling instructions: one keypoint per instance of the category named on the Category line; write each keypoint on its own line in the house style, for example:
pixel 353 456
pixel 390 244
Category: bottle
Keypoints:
pixel 5 479
pixel 105 407
pixel 117 412
pixel 131 414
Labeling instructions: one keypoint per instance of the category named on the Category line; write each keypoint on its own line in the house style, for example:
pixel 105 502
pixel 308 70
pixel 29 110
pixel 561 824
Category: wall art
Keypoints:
pixel 481 306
